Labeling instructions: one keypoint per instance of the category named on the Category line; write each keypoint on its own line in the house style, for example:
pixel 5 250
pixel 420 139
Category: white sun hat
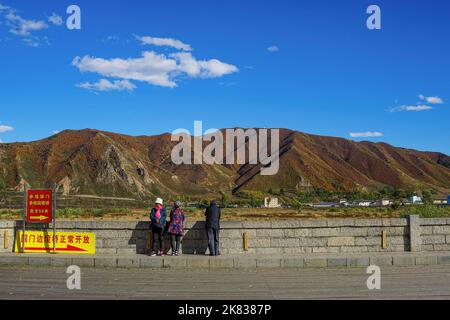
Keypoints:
pixel 159 201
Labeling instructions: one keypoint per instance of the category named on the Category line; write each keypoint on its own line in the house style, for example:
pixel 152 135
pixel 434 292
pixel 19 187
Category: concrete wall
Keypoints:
pixel 435 234
pixel 271 237
pixel 6 236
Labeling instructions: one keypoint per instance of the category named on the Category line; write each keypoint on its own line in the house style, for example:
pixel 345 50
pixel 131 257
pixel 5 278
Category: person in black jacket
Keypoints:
pixel 213 228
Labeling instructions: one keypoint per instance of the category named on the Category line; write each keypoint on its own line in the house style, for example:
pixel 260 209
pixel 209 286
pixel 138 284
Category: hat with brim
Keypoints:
pixel 159 201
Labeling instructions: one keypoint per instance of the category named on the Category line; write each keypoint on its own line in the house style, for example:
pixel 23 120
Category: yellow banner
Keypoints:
pixel 66 242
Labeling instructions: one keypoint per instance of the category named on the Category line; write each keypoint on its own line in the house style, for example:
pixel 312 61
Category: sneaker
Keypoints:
pixel 160 253
pixel 176 253
pixel 153 254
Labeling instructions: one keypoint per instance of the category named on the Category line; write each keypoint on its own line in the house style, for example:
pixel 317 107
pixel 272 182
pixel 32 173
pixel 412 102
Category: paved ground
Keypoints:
pixel 419 282
pixel 236 262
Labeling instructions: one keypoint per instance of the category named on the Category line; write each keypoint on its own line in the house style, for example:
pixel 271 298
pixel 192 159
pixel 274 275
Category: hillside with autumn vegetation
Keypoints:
pixel 93 162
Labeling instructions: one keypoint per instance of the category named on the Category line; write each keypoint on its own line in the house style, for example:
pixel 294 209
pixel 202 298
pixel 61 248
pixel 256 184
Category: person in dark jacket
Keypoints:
pixel 158 216
pixel 212 225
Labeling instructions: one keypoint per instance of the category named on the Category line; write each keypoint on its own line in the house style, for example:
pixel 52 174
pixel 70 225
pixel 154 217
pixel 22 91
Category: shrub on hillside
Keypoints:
pixel 428 211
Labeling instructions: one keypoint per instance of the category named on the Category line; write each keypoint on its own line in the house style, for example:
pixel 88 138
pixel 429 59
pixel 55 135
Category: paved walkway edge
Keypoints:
pixel 229 262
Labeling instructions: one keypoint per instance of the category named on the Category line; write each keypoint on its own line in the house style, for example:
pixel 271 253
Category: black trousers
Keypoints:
pixel 175 241
pixel 213 241
pixel 157 237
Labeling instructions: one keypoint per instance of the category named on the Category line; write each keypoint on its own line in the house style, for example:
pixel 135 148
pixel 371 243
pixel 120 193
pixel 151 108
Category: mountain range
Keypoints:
pixel 94 162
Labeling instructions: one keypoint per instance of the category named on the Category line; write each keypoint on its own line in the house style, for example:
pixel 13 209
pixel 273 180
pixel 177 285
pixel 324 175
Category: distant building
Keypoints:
pixel 344 203
pixel 325 205
pixel 415 199
pixel 440 201
pixel 364 203
pixel 271 203
pixel 383 203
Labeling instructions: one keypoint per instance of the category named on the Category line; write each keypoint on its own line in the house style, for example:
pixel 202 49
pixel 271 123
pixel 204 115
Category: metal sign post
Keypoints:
pixel 39 208
pixel 25 197
pixel 54 219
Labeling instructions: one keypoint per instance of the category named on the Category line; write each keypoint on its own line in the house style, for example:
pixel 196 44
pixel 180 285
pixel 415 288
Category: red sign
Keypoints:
pixel 39 206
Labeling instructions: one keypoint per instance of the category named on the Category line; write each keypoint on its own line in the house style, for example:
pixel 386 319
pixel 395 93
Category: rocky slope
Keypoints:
pixel 108 164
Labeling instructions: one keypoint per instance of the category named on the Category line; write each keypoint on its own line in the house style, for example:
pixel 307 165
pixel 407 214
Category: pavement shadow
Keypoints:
pixel 194 240
pixel 45 240
pixel 141 237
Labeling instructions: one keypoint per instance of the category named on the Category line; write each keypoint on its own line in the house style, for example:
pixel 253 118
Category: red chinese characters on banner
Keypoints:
pixel 39 206
pixel 66 242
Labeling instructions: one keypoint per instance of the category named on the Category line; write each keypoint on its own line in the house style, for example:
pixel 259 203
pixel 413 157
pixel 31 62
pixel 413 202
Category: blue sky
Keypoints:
pixel 311 66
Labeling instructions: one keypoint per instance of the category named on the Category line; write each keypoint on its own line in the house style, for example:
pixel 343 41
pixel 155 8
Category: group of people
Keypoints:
pixel 173 225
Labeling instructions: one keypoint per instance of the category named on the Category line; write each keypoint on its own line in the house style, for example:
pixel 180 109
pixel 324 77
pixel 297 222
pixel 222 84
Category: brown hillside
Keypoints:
pixel 108 164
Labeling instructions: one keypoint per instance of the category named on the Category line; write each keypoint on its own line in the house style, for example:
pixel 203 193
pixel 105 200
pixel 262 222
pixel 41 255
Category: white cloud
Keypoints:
pixel 3 8
pixel 164 42
pixel 273 49
pixel 106 85
pixel 111 38
pixel 22 27
pixel 201 68
pixel 152 68
pixel 366 134
pixel 56 131
pixel 31 42
pixel 4 128
pixel 425 105
pixel 155 69
pixel 431 100
pixel 55 19
pixel 416 108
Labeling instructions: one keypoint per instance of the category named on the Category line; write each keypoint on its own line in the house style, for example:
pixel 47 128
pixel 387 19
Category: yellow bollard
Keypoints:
pixel 245 235
pixel 384 243
pixel 5 240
